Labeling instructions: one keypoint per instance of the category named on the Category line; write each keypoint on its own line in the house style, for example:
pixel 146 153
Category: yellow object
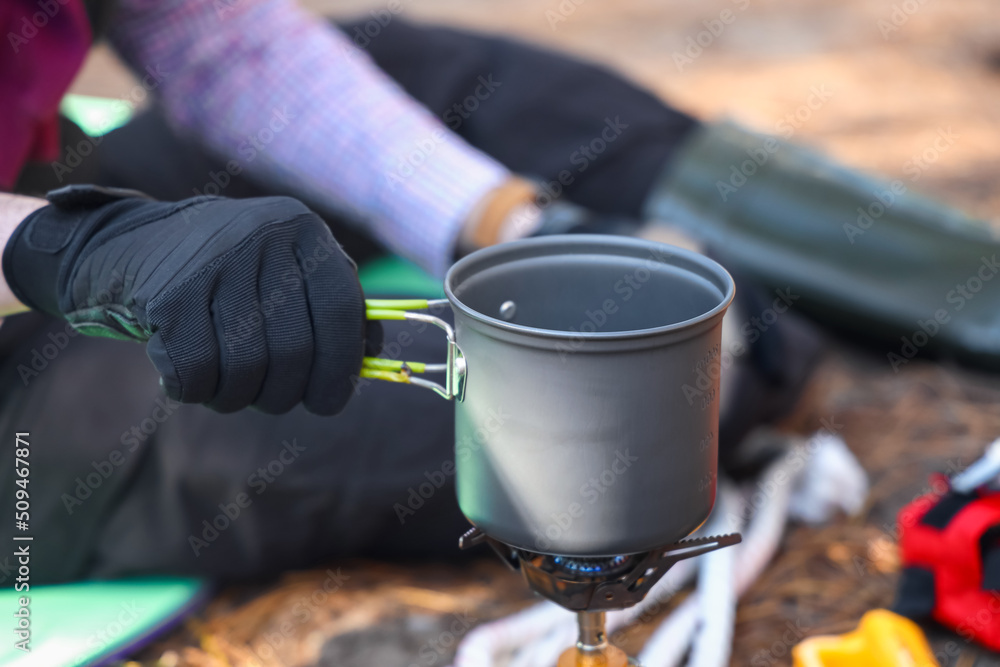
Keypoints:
pixel 882 639
pixel 608 657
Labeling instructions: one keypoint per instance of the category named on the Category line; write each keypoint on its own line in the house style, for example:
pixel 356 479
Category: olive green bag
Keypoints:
pixel 863 254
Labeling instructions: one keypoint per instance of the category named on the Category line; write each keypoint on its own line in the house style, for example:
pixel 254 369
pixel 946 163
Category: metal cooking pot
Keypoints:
pixel 586 376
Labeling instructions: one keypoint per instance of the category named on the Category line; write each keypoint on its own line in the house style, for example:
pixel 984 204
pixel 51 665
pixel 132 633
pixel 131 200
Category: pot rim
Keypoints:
pixel 570 244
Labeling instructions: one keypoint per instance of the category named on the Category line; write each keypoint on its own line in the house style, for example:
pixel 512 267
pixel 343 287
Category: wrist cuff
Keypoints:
pixel 33 257
pixel 486 224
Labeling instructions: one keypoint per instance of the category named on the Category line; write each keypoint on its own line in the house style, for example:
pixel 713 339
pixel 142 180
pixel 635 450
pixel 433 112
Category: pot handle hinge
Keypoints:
pixel 394 370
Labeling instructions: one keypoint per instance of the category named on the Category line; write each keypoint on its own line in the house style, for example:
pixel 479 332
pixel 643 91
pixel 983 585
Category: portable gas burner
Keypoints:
pixel 591 586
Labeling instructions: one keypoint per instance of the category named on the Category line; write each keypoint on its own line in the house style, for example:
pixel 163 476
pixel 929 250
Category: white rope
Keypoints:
pixel 795 476
pixel 716 577
pixel 829 480
pixel 484 645
pixel 670 641
pixel 983 471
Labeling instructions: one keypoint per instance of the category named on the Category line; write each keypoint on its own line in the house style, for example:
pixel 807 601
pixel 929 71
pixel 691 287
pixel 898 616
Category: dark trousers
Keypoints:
pixel 124 481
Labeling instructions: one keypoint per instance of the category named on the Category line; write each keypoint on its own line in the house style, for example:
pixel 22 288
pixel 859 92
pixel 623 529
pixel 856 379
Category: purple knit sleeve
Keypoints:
pixel 285 96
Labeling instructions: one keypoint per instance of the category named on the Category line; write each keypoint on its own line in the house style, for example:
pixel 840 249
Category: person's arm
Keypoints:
pixel 285 96
pixel 13 209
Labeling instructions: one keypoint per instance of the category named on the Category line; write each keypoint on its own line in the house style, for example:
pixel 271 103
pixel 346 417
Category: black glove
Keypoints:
pixel 243 302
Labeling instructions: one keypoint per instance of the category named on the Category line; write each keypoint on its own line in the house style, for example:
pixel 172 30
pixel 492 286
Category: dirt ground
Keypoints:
pixel 897 74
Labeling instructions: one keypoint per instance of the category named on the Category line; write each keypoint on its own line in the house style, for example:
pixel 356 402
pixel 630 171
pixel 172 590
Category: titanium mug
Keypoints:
pixel 585 371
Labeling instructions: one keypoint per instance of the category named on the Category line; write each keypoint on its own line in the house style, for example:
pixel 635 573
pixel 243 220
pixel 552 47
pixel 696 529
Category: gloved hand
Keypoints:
pixel 242 302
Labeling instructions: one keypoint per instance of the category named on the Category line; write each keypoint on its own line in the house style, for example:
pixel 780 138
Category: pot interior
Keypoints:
pixel 589 284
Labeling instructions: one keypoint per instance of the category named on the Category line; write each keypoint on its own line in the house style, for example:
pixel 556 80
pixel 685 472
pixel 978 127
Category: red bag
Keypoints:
pixel 950 548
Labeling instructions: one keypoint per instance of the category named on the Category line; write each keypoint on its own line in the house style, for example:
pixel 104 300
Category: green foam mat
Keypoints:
pixel 93 622
pixel 397 277
pixel 96 115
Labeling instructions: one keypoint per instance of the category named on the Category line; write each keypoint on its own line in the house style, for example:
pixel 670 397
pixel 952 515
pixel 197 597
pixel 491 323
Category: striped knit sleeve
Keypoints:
pixel 285 96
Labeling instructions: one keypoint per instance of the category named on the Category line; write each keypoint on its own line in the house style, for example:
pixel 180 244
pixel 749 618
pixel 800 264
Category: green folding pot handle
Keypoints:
pixel 394 370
